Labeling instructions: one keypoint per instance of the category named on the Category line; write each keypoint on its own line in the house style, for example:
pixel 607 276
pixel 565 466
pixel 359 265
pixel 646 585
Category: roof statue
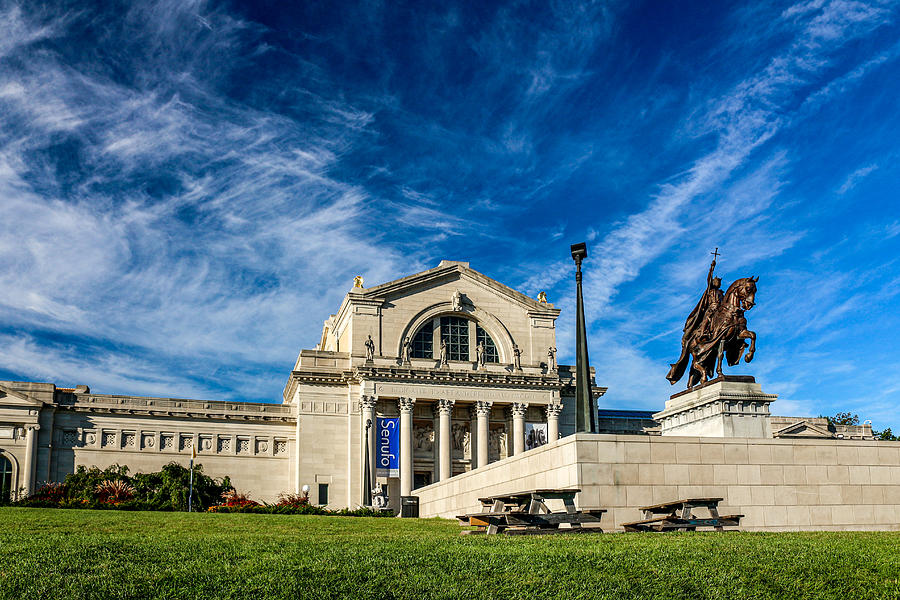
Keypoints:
pixel 456 300
pixel 716 328
pixel 358 281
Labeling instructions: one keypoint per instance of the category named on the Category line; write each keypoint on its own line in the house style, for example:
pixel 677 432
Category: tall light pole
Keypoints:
pixel 367 475
pixel 585 411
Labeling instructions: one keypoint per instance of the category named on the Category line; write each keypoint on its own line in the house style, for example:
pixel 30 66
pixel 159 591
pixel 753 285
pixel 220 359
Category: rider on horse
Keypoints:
pixel 716 329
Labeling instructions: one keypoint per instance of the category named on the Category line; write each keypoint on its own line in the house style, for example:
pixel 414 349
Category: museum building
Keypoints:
pixel 465 363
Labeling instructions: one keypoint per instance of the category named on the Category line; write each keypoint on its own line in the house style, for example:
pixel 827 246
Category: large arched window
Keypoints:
pixel 5 479
pixel 461 336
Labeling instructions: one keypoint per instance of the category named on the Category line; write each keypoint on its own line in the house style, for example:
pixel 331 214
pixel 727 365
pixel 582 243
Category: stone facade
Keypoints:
pixel 253 443
pixel 458 412
pixel 465 409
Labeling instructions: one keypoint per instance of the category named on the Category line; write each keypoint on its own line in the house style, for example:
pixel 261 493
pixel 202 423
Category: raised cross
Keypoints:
pixel 716 253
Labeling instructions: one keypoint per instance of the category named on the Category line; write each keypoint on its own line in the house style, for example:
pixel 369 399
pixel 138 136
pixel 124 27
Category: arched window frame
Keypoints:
pixel 7 477
pixel 442 326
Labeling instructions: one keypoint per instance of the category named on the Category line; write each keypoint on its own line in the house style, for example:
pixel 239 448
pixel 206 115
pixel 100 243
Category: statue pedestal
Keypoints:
pixel 729 406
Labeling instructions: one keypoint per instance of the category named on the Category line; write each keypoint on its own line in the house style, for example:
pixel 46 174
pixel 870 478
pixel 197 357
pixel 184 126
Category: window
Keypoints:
pixel 422 345
pixel 5 479
pixel 421 479
pixel 455 332
pixel 323 493
pixel 490 348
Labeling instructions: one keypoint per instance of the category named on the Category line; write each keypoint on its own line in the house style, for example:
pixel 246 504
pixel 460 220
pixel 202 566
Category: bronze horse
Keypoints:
pixel 716 335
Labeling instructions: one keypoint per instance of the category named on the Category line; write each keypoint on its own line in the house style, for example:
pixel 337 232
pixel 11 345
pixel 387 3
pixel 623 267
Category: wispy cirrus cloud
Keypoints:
pixel 154 211
pixel 716 200
pixel 193 186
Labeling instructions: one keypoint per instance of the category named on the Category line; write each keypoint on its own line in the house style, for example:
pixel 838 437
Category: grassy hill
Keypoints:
pixel 46 553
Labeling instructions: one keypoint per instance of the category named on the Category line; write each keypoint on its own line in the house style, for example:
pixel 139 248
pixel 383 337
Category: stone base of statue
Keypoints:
pixel 728 406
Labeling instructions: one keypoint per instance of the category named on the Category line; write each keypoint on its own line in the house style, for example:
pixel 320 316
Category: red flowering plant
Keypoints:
pixel 234 501
pixel 295 500
pixel 49 493
pixel 114 491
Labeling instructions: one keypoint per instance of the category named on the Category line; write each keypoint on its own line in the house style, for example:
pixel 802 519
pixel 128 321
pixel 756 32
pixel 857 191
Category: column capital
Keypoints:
pixel 482 408
pixel 406 404
pixel 444 406
pixel 32 427
pixel 367 402
pixel 554 410
pixel 518 409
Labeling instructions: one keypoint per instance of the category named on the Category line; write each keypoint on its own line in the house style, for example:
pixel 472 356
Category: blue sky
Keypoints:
pixel 188 188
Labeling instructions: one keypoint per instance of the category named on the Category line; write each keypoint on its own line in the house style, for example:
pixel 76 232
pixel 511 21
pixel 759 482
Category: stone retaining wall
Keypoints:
pixel 778 484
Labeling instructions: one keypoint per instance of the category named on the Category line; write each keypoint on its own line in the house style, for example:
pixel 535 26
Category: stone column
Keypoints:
pixel 473 436
pixel 553 412
pixel 30 458
pixel 444 439
pixel 483 412
pixel 367 414
pixel 406 445
pixel 435 447
pixel 518 410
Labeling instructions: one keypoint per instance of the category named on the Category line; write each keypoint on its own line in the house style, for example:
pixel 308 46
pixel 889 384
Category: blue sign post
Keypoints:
pixel 387 442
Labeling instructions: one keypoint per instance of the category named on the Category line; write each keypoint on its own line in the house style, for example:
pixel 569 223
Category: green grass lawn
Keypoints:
pixel 46 553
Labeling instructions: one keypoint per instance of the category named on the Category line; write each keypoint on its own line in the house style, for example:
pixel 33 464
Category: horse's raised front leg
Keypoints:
pixel 751 335
pixel 721 353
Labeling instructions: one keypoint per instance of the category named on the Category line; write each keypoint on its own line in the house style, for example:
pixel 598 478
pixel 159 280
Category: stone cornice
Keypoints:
pixel 379 292
pixel 463 378
pixel 21 396
pixel 412 375
pixel 183 409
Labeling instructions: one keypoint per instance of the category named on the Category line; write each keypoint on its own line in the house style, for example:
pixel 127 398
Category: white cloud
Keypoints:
pixel 249 237
pixel 855 177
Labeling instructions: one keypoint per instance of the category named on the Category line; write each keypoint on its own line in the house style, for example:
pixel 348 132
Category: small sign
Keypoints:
pixel 387 444
pixel 535 435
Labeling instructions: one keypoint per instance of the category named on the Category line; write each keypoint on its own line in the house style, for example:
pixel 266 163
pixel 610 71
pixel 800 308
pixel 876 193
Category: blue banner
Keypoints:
pixel 387 444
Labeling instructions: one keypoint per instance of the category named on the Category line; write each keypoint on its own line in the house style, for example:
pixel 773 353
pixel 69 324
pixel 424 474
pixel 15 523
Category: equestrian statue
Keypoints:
pixel 716 328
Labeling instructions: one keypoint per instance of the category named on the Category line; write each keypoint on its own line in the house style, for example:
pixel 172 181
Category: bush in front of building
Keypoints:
pixel 287 504
pixel 113 487
pixel 308 509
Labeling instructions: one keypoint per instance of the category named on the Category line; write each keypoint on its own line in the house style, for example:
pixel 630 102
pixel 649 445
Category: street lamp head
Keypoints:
pixel 579 251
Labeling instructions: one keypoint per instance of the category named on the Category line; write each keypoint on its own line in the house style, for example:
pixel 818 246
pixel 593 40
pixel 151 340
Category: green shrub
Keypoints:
pixel 112 487
pixel 304 509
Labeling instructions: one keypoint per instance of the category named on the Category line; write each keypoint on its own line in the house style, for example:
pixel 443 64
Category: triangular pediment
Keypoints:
pixel 802 429
pixel 11 397
pixel 449 271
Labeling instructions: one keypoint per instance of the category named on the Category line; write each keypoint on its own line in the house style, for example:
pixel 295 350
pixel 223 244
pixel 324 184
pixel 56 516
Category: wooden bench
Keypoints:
pixel 528 513
pixel 679 515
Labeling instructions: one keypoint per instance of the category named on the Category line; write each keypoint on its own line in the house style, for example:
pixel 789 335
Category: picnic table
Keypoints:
pixel 524 513
pixel 678 515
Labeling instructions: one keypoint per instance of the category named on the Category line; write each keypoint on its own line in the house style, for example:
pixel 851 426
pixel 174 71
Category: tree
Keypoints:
pixel 886 435
pixel 844 418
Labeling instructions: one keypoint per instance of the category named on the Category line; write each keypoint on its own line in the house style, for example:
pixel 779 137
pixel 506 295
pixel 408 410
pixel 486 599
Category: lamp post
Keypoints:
pixel 585 412
pixel 191 484
pixel 367 475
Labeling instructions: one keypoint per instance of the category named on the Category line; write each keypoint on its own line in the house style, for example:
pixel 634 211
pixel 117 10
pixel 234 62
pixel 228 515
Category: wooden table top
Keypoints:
pixel 664 506
pixel 549 494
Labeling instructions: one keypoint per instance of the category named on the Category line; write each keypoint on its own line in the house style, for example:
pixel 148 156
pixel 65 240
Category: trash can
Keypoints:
pixel 409 506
